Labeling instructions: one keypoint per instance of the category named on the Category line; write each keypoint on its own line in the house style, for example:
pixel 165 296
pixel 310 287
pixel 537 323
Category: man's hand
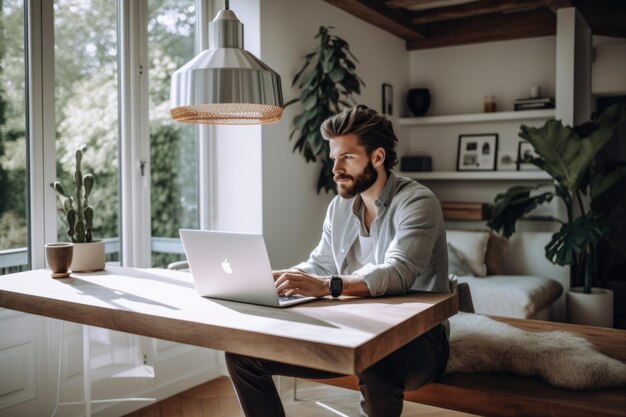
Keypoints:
pixel 292 282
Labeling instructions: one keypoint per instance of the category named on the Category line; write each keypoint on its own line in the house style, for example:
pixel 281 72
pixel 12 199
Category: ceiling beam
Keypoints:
pixel 478 8
pixel 397 4
pixel 487 29
pixel 555 5
pixel 376 13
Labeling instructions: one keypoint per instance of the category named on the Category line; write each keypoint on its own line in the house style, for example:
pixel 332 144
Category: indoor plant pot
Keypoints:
pixel 593 309
pixel 78 216
pixel 88 256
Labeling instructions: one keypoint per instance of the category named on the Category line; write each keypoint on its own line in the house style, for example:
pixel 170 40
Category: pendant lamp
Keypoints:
pixel 225 84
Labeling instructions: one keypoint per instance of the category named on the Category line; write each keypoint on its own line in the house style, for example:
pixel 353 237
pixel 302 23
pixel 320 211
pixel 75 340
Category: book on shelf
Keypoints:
pixel 533 103
pixel 535 100
pixel 465 211
pixel 533 106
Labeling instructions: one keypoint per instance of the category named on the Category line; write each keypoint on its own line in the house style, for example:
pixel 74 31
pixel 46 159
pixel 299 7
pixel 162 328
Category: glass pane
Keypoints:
pixel 86 90
pixel 13 181
pixel 173 146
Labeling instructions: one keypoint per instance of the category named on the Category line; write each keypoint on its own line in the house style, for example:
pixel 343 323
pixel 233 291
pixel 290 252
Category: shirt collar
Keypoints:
pixel 384 199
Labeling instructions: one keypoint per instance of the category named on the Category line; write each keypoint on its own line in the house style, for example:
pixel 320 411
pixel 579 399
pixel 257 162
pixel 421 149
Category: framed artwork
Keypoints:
pixel 525 151
pixel 507 161
pixel 387 99
pixel 477 152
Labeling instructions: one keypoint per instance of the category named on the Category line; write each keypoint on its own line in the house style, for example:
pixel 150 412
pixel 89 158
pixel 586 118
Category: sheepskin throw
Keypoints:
pixel 562 359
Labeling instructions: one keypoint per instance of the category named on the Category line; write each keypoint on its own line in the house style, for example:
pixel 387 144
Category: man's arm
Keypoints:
pixel 292 282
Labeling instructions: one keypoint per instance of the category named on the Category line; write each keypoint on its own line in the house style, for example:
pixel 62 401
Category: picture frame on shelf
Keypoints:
pixel 477 152
pixel 387 94
pixel 525 151
pixel 507 160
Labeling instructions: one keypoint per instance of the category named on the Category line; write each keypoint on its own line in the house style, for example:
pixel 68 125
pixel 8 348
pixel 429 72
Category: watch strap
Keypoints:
pixel 336 286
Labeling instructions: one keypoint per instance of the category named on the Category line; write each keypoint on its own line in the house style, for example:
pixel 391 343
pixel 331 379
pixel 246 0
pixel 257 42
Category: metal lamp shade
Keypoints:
pixel 225 84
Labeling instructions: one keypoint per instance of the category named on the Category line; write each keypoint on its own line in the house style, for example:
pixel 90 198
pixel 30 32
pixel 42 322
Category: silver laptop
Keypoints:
pixel 233 266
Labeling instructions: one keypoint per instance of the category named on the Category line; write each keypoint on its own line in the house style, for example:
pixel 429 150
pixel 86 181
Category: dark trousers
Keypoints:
pixel 382 385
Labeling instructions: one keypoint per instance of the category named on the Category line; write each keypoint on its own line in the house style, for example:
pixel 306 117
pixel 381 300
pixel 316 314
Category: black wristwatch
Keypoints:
pixel 336 286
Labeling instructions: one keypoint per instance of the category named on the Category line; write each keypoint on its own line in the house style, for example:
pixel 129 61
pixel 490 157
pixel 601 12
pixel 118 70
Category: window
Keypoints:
pixel 81 104
pixel 173 146
pixel 13 148
pixel 86 106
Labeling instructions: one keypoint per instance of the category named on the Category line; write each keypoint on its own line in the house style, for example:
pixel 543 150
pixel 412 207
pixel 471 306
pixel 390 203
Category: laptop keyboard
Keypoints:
pixel 288 297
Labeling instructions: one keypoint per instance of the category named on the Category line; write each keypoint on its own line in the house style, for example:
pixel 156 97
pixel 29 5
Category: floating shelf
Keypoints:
pixel 473 176
pixel 478 117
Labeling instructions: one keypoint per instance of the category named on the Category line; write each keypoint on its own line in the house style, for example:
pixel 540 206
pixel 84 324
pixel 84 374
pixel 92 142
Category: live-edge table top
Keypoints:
pixel 345 335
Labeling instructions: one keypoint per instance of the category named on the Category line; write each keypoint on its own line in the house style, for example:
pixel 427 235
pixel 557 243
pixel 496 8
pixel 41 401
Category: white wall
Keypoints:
pixel 459 77
pixel 292 211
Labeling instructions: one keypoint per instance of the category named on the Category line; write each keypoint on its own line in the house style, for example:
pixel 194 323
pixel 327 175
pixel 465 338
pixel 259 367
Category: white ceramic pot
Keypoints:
pixel 88 256
pixel 595 309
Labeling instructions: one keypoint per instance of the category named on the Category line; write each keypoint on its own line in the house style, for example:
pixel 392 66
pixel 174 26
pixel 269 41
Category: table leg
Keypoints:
pixel 87 400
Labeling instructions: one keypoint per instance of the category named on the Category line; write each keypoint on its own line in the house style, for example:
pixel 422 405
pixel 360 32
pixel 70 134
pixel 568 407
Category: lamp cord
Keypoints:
pixel 226 4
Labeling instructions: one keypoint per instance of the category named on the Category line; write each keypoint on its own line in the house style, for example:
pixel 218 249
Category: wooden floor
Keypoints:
pixel 217 399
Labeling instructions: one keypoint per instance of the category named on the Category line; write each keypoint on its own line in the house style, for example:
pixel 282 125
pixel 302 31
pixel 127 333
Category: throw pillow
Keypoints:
pixel 494 258
pixel 472 247
pixel 456 265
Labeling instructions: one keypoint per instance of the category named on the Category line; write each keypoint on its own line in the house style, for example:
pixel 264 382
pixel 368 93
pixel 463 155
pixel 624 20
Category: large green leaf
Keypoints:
pixel 512 205
pixel 568 244
pixel 568 152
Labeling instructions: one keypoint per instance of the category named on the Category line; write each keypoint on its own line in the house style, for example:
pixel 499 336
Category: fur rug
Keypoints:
pixel 562 359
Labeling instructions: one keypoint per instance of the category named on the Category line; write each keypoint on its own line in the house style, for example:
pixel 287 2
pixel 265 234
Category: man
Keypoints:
pixel 382 235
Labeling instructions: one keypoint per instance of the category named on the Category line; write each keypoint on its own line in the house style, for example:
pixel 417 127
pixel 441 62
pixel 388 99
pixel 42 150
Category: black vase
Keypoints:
pixel 419 101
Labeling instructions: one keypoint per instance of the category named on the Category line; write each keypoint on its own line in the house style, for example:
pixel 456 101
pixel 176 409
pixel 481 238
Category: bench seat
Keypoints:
pixel 504 395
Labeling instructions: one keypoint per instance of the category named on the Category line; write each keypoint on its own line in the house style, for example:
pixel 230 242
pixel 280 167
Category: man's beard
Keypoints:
pixel 362 182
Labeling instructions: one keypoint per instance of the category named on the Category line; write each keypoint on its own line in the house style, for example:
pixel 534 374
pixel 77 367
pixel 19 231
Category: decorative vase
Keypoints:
pixel 595 309
pixel 88 257
pixel 418 101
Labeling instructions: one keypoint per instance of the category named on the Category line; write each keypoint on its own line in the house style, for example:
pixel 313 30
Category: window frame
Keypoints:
pixel 134 144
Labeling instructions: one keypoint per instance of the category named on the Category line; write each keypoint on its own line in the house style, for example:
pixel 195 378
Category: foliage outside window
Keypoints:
pixel 13 191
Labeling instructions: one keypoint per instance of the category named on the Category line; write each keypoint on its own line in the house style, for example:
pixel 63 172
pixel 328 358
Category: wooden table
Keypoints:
pixel 345 335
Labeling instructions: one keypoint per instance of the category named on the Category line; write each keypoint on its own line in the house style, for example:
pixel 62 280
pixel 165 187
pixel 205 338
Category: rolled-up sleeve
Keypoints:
pixel 417 225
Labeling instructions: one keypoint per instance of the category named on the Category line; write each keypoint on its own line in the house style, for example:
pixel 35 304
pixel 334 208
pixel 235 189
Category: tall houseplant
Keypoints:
pixel 327 81
pixel 588 191
pixel 78 215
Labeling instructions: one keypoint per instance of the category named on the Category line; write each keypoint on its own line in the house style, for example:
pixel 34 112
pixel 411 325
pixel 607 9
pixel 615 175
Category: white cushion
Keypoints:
pixel 512 295
pixel 471 248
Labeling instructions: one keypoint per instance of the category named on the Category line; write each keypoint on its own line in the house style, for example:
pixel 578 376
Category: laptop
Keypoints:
pixel 233 266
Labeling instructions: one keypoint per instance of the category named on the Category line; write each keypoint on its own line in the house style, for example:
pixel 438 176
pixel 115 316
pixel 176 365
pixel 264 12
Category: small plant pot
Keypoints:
pixel 595 309
pixel 88 257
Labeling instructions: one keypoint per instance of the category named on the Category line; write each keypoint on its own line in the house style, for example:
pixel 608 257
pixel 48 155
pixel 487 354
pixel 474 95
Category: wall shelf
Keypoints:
pixel 474 176
pixel 478 117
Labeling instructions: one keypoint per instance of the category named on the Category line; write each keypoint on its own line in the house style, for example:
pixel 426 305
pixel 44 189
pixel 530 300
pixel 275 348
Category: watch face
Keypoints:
pixel 335 286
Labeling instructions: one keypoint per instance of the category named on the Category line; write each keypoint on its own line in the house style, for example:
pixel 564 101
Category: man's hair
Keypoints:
pixel 373 130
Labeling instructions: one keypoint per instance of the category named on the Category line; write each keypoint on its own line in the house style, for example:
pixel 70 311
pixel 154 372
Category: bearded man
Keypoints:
pixel 383 235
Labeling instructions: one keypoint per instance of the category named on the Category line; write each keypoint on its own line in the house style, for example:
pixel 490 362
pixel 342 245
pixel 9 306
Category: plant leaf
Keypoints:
pixel 567 245
pixel 567 155
pixel 337 74
pixel 511 205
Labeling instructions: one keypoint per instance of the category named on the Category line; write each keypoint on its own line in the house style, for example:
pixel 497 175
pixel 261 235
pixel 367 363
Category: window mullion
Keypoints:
pixel 206 146
pixel 134 135
pixel 41 129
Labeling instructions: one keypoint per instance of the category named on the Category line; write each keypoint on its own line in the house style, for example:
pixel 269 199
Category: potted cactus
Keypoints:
pixel 77 214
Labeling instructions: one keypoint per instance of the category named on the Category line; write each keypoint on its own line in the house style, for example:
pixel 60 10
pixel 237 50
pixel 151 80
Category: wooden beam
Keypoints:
pixel 555 5
pixel 397 4
pixel 376 13
pixel 478 8
pixel 487 29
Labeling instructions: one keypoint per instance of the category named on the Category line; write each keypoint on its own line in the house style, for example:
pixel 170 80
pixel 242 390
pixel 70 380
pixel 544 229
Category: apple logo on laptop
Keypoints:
pixel 226 266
